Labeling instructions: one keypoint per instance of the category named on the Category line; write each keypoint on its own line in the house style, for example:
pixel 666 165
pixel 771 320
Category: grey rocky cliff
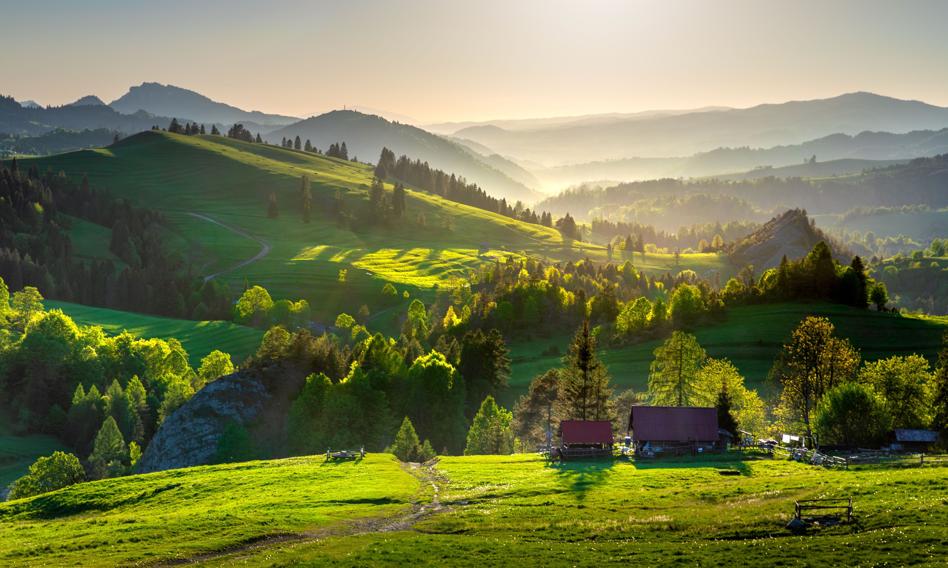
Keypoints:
pixel 189 436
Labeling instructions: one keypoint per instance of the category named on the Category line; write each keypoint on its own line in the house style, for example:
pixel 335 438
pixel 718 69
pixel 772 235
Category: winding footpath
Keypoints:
pixel 264 245
pixel 426 504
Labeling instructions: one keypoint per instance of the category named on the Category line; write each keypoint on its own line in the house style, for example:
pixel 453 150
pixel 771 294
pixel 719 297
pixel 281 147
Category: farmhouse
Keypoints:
pixel 909 439
pixel 673 430
pixel 585 438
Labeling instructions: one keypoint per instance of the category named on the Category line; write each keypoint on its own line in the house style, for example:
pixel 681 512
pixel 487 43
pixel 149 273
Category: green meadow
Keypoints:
pixel 750 337
pixel 502 510
pixel 179 513
pixel 229 181
pixel 198 337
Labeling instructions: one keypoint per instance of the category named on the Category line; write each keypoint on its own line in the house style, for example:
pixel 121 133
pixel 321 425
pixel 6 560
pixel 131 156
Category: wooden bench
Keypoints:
pixel 839 506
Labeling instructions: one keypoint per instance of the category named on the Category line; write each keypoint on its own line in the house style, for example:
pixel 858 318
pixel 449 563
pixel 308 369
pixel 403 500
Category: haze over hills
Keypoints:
pixel 448 128
pixel 860 151
pixel 365 136
pixel 684 134
pixel 169 100
pixel 33 121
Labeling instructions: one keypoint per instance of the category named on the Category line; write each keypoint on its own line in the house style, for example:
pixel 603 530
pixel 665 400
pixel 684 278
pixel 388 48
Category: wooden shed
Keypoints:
pixel 673 429
pixel 913 439
pixel 585 438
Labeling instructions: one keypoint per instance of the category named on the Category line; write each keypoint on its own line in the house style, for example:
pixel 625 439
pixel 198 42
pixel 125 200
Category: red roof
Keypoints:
pixel 586 432
pixel 673 424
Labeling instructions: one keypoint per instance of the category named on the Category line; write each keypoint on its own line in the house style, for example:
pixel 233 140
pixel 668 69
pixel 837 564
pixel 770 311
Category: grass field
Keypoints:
pixel 17 453
pixel 492 510
pixel 751 338
pixel 178 513
pixel 229 181
pixel 198 337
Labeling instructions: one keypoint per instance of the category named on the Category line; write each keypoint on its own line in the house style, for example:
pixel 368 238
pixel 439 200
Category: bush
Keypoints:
pixel 851 415
pixel 48 474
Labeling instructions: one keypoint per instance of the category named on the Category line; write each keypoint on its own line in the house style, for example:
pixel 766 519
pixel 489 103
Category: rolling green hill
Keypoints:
pixel 214 191
pixel 502 510
pixel 198 337
pixel 751 338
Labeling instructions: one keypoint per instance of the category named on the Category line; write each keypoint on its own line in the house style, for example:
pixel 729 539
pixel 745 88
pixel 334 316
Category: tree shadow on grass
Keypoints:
pixel 727 464
pixel 582 475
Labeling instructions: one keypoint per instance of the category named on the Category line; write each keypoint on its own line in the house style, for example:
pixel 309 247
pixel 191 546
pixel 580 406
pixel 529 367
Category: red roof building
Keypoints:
pixel 586 433
pixel 673 424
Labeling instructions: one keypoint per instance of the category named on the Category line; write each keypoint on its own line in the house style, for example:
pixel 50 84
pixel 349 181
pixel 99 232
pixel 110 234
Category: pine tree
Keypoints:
pixel 491 431
pixel 398 200
pixel 272 210
pixel 307 198
pixel 940 387
pixel 215 131
pixel 308 147
pixel 343 151
pixel 406 447
pixel 109 451
pixel 586 392
pixel 297 145
pixel 202 130
pixel 726 420
pixel 258 139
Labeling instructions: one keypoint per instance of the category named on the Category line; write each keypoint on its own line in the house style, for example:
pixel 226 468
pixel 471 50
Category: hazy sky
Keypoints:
pixel 453 60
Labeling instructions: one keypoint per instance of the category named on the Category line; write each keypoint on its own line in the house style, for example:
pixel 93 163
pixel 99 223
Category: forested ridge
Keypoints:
pixel 36 250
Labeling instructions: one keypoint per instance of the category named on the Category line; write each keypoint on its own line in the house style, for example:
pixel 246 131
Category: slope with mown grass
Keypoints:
pixel 198 337
pixel 183 513
pixel 751 338
pixel 229 181
pixel 500 510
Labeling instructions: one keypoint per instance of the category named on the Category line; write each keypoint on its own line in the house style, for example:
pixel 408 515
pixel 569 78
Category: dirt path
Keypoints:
pixel 264 245
pixel 425 505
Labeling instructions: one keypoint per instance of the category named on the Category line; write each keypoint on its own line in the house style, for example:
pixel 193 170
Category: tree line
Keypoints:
pixel 421 175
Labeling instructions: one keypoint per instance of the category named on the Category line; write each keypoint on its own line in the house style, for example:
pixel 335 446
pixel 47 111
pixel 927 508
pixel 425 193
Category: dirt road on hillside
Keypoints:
pixel 264 245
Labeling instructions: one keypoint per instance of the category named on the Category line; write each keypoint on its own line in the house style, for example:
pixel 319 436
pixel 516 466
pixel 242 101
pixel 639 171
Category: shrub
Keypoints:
pixel 48 474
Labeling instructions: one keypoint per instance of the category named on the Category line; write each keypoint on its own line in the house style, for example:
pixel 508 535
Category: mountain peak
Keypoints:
pixel 88 100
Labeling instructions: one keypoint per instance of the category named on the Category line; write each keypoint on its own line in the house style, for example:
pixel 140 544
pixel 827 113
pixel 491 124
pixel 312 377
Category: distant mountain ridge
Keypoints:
pixel 169 100
pixel 365 136
pixel 765 125
pixel 732 163
pixel 88 100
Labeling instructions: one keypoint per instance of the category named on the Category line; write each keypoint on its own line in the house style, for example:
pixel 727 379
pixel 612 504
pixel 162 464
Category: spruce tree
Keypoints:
pixel 272 210
pixel 940 387
pixel 726 420
pixel 406 447
pixel 586 391
pixel 109 451
pixel 673 376
pixel 297 145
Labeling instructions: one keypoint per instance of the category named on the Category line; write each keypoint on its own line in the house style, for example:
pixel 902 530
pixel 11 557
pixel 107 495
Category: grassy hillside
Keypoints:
pixel 751 338
pixel 179 513
pixel 198 337
pixel 229 181
pixel 17 453
pixel 502 510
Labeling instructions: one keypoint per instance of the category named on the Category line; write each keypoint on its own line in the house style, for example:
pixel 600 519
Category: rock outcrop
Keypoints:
pixel 790 234
pixel 190 435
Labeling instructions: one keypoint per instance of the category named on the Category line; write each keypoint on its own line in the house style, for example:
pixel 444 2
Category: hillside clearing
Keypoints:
pixel 198 337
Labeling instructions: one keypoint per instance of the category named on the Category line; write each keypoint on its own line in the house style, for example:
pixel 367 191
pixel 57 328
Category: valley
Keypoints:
pixel 501 283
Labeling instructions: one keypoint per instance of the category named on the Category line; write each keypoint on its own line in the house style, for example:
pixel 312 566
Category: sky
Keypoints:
pixel 445 60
